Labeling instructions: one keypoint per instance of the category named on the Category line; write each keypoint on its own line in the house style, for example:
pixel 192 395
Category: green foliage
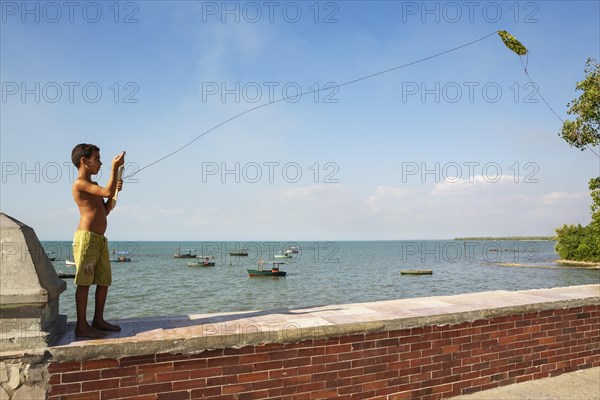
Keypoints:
pixel 582 243
pixel 576 242
pixel 585 130
pixel 595 189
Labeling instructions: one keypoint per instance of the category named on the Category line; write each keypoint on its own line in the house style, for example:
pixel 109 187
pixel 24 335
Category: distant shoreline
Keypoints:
pixel 530 238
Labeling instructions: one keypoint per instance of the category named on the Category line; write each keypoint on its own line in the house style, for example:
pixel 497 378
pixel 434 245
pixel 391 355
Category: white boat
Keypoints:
pixel 206 261
pixel 283 255
pixel 69 262
pixel 292 250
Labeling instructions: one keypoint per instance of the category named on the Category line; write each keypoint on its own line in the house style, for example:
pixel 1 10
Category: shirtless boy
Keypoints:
pixel 90 247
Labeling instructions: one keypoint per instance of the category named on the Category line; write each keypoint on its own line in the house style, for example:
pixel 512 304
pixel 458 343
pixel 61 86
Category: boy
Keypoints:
pixel 90 247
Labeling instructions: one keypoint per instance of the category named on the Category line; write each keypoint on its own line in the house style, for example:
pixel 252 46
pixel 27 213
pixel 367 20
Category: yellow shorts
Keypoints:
pixel 90 252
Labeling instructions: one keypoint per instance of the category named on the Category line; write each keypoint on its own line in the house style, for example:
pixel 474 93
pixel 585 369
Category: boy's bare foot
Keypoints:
pixel 105 326
pixel 89 332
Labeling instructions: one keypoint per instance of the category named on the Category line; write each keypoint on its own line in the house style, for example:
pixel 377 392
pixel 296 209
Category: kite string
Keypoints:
pixel 537 89
pixel 296 96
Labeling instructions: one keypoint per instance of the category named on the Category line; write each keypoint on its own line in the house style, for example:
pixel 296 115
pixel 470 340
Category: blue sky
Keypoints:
pixel 457 145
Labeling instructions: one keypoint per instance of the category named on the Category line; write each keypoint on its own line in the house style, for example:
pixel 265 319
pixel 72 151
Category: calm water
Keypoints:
pixel 156 284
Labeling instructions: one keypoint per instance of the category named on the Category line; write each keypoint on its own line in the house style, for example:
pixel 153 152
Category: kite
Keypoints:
pixel 512 43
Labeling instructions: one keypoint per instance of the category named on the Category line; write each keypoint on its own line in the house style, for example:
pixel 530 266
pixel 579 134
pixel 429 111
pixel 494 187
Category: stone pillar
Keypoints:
pixel 29 290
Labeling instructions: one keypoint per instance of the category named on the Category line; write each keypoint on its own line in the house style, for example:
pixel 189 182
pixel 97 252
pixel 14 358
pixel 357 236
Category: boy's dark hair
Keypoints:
pixel 82 150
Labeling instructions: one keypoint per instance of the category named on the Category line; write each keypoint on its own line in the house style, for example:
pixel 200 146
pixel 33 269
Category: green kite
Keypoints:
pixel 512 43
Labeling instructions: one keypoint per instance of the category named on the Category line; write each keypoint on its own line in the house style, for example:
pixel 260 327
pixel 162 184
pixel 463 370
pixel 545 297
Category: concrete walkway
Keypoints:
pixel 579 385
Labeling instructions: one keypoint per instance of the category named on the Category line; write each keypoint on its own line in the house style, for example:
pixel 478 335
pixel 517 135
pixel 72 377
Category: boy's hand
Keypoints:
pixel 118 160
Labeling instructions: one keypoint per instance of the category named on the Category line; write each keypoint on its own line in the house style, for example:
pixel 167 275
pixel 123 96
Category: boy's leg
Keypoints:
pixel 99 322
pixel 83 329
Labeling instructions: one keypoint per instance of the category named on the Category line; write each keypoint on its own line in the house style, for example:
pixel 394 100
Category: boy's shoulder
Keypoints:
pixel 81 183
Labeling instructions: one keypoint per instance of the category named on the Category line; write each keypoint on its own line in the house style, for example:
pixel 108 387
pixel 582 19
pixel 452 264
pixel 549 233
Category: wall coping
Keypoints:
pixel 191 334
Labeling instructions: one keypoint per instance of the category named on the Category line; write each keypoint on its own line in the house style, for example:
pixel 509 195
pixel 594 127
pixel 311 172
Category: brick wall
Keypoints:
pixel 428 362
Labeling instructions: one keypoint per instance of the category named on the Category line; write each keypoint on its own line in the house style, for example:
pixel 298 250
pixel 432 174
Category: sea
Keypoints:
pixel 154 283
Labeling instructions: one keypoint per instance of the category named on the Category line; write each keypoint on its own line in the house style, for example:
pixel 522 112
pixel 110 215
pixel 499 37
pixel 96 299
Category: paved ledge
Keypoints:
pixel 579 385
pixel 196 333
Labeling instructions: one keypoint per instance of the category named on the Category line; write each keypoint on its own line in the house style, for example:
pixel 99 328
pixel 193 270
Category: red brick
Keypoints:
pixel 324 376
pixel 229 389
pixel 263 394
pixel 340 348
pixel 222 380
pixel 100 384
pixel 118 372
pixel 206 392
pixel 80 376
pixel 254 358
pixel 352 339
pixel 155 368
pixel 353 355
pixel 350 372
pixel 99 364
pixel 189 384
pixel 81 396
pixel 190 364
pixel 183 395
pixel 311 351
pixel 223 361
pixel 283 355
pixel 282 373
pixel 298 362
pixel 118 393
pixel 265 366
pixel 137 360
pixel 267 384
pixel 296 380
pixel 379 367
pixel 155 388
pixel 338 366
pixel 172 376
pixel 254 377
pixel 238 369
pixel 206 372
pixel 363 345
pixel 54 367
pixel 137 380
pixel 310 387
pixel 65 388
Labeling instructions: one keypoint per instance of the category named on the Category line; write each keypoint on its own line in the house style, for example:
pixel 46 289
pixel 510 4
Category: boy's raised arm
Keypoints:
pixel 111 187
pixel 112 180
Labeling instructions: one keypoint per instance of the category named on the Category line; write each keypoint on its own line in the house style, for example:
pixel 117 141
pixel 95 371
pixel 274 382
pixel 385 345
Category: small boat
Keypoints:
pixel 292 250
pixel 185 253
pixel 65 275
pixel 416 272
pixel 240 253
pixel 284 254
pixel 51 255
pixel 120 256
pixel 70 262
pixel 273 271
pixel 206 262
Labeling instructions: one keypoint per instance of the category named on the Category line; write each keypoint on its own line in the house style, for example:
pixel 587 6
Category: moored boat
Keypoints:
pixel 206 262
pixel 120 256
pixel 416 272
pixel 185 253
pixel 273 271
